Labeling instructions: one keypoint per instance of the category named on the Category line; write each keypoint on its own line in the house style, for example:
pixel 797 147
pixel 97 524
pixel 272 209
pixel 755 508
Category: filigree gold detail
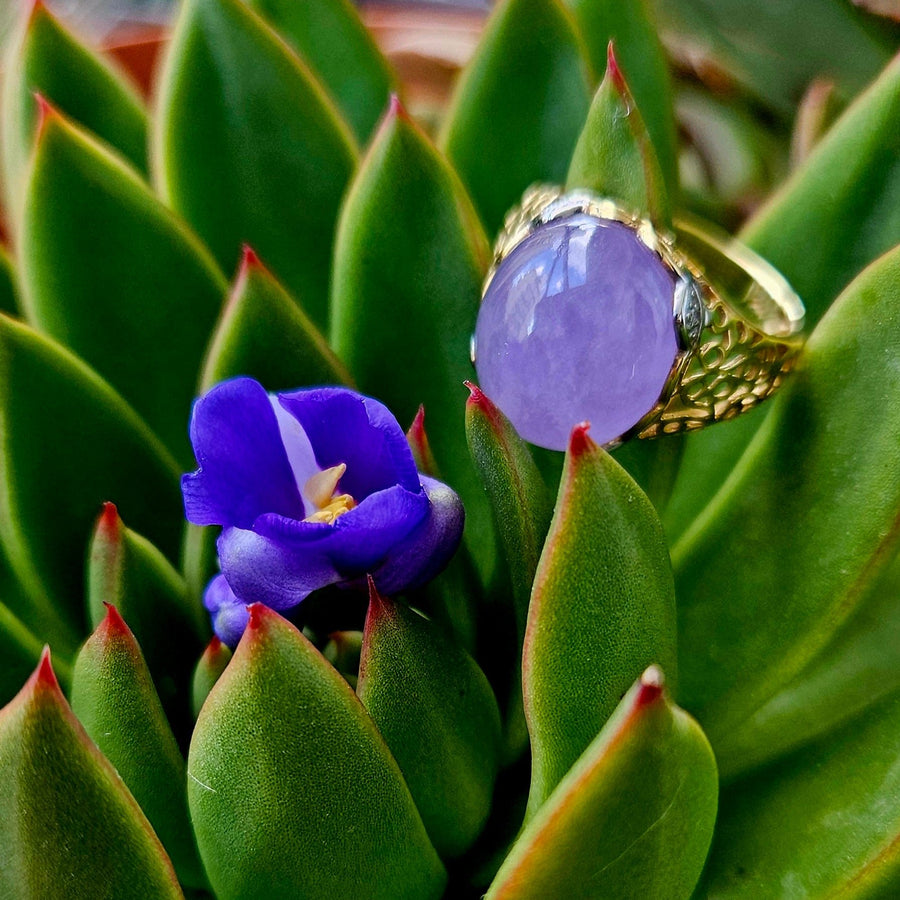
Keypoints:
pixel 734 368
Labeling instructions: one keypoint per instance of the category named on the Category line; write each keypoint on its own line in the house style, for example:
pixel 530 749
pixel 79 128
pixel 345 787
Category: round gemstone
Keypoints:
pixel 577 325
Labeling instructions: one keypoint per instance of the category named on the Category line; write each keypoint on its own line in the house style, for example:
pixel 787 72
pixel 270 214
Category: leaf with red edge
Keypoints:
pixel 125 569
pixel 249 148
pixel 47 59
pixel 437 714
pixel 602 609
pixel 209 669
pixel 614 156
pixel 292 791
pixel 632 819
pixel 116 276
pixel 67 822
pixel 408 267
pixel 519 105
pixel 114 699
pixel 332 38
pixel 67 443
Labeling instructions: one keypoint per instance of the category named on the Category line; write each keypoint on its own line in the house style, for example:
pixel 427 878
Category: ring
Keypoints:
pixel 590 313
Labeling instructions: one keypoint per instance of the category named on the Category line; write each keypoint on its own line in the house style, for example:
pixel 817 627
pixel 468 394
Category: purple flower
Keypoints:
pixel 313 487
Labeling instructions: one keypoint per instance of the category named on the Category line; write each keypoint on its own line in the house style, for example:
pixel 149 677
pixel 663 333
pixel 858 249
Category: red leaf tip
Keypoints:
pixel 379 605
pixel 417 429
pixel 613 71
pixel 257 614
pixel 47 112
pixel 113 624
pixel 44 676
pixel 109 520
pixel 249 259
pixel 397 109
pixel 651 686
pixel 580 441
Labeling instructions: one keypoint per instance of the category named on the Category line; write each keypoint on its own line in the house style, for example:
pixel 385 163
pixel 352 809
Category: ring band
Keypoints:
pixel 738 324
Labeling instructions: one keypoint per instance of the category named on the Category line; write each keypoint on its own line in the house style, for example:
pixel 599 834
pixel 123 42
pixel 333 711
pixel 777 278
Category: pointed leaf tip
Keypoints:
pixel 113 624
pixel 396 109
pixel 613 70
pixel 46 113
pixel 378 605
pixel 651 687
pixel 249 259
pixel 108 523
pixel 258 614
pixel 44 676
pixel 580 441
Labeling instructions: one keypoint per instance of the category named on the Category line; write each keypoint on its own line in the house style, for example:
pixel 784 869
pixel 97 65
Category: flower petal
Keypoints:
pixel 345 427
pixel 277 573
pixel 229 615
pixel 280 561
pixel 429 548
pixel 243 467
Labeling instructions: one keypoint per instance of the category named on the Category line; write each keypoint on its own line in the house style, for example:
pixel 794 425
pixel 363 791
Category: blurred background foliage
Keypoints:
pixel 756 82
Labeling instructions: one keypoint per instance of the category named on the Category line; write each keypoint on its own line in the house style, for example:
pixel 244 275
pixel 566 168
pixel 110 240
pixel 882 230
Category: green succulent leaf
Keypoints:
pixel 842 208
pixel 264 333
pixel 519 498
pixel 68 442
pixel 519 105
pixel 332 39
pixel 48 60
pixel 634 816
pixel 279 731
pixel 126 570
pixel 114 699
pixel 824 822
pixel 614 156
pixel 776 49
pixel 409 262
pixel 55 783
pixel 630 26
pixel 108 270
pixel 602 609
pixel 856 669
pixel 852 176
pixel 209 669
pixel 250 149
pixel 835 215
pixel 9 289
pixel 790 545
pixel 437 714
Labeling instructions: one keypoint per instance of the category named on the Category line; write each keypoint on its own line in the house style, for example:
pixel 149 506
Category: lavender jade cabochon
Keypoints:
pixel 577 325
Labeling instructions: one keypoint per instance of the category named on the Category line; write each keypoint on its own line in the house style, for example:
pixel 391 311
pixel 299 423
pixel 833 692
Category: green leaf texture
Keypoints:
pixel 332 39
pixel 408 267
pixel 47 59
pixel 630 25
pixel 602 610
pixel 614 156
pixel 68 443
pixel 632 819
pixel 249 149
pixel 283 759
pixel 822 823
pixel 502 139
pixel 110 272
pixel 114 699
pixel 437 714
pixel 55 783
pixel 790 545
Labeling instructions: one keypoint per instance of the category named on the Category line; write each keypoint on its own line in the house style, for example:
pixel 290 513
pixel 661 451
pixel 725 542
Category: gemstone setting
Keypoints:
pixel 577 324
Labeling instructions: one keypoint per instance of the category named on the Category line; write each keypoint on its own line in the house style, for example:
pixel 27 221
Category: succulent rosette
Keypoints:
pixel 312 488
pixel 665 670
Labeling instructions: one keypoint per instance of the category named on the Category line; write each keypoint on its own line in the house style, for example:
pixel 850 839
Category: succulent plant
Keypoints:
pixel 508 728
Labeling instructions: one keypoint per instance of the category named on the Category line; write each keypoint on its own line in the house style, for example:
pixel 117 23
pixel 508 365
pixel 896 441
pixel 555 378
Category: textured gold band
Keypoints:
pixel 739 323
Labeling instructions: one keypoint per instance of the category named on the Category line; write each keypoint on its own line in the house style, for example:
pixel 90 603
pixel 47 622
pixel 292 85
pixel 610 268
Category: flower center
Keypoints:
pixel 320 489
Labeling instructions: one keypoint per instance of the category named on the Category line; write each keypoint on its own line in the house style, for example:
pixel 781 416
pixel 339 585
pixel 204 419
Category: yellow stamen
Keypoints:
pixel 320 489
